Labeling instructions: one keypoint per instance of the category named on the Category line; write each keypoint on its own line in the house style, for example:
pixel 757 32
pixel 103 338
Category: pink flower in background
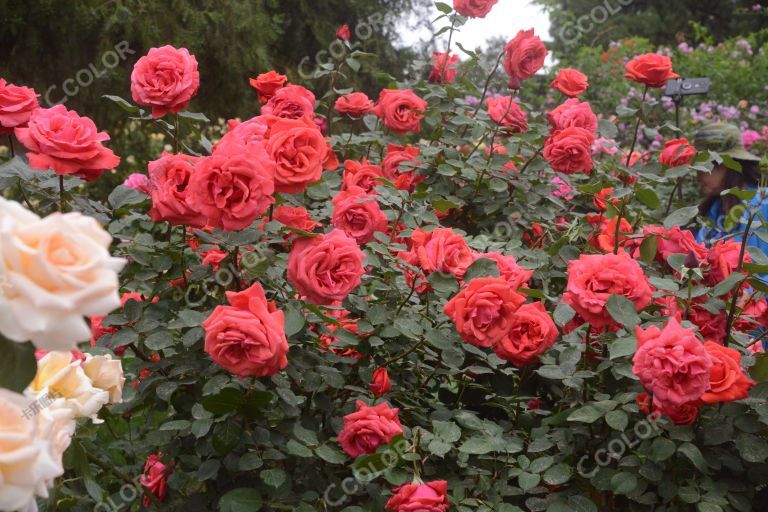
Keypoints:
pixel 604 146
pixel 443 68
pixel 563 189
pixel 155 479
pixel 138 181
pixel 749 137
pixel 16 105
pixel 506 112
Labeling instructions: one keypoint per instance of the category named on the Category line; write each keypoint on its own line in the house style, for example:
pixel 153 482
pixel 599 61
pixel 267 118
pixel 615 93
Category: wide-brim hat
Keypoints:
pixel 724 139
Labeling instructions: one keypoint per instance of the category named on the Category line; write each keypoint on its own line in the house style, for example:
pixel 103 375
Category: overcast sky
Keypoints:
pixel 506 18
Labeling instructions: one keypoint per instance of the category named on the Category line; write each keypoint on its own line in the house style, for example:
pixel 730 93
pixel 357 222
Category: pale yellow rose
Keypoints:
pixel 107 374
pixel 59 375
pixel 53 272
pixel 32 442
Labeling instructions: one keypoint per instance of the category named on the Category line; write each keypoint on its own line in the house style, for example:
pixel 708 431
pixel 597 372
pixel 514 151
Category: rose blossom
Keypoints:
pixel 569 150
pixel 358 214
pixel 483 310
pixel 677 152
pixel 727 381
pixel 300 152
pixel 505 112
pixel 252 131
pixel 396 156
pixel 355 105
pixel 525 55
pixel 650 69
pixel 600 200
pixel 531 333
pixel 295 217
pixel 426 497
pixel 573 112
pixel 155 479
pixel 107 374
pixel 291 102
pixel 169 179
pixel 604 238
pixel 326 268
pixel 362 174
pixel 441 250
pixel 474 8
pixel 605 146
pixel 570 82
pixel 165 79
pixel 267 84
pixel 509 270
pixel 233 187
pixel 31 449
pixel 16 105
pixel 674 241
pixel 138 182
pixel 400 111
pixel 593 278
pixel 343 33
pixel 444 68
pixel 368 428
pixel 723 258
pixel 380 383
pixel 247 338
pixel 59 139
pixel 562 188
pixel 57 270
pixel 671 363
pixel 684 414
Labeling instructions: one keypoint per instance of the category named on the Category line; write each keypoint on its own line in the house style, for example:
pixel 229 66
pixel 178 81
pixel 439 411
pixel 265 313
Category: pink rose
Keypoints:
pixel 356 104
pixel 169 178
pixel 509 270
pixel 525 55
pixel 671 363
pixel 723 260
pixel 233 187
pixel 474 8
pixel 368 428
pixel 570 82
pixel 427 497
pixel 326 268
pixel 137 181
pixel 291 102
pixel 165 79
pixel 252 131
pixel 530 334
pixel 396 156
pixel 358 214
pixel 674 241
pixel 295 217
pixel 362 174
pixel 401 111
pixel 248 337
pixel 444 68
pixel 59 139
pixel 573 113
pixel 593 278
pixel 155 479
pixel 441 250
pixel 16 105
pixel 570 150
pixel 505 112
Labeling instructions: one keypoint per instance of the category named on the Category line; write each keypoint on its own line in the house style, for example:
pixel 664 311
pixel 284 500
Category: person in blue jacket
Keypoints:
pixel 727 215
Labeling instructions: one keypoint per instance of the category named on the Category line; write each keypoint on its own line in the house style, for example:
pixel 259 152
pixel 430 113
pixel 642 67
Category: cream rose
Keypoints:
pixel 59 376
pixel 53 271
pixel 31 449
pixel 107 374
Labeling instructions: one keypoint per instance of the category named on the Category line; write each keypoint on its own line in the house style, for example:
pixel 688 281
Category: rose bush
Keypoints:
pixel 479 310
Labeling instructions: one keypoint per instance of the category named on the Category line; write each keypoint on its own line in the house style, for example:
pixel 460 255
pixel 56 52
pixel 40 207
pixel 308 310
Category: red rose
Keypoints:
pixel 343 33
pixel 570 150
pixel 155 479
pixel 326 268
pixel 368 428
pixel 444 68
pixel 573 113
pixel 59 139
pixel 295 217
pixel 16 105
pixel 392 165
pixel 358 214
pixel 674 241
pixel 380 383
pixel 677 152
pixel 165 79
pixel 252 131
pixel 727 381
pixel 505 112
pixel 650 69
pixel 531 333
pixel 483 311
pixel 723 258
pixel 570 82
pixel 601 199
pixel 428 497
pixel 525 55
pixel 684 414
pixel 356 104
pixel 474 8
pixel 301 153
pixel 509 270
pixel 401 111
pixel 604 239
pixel 169 178
pixel 267 84
pixel 248 337
pixel 593 278
pixel 233 187
pixel 362 174
pixel 291 102
pixel 441 250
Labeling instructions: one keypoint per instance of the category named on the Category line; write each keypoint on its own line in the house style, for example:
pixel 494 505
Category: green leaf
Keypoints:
pixel 681 217
pixel 125 196
pixel 443 283
pixel 563 314
pixel 208 469
pixel 623 311
pixel 294 321
pixel 528 481
pixel 649 198
pixel 648 249
pixel 330 454
pixel 273 477
pixel 586 414
pixel 662 449
pixel 557 474
pixel 241 500
pixel 122 103
pixel 482 267
pixel 444 8
pixel 622 347
pixel 694 455
pixel 617 420
pixel 18 365
pixel 727 284
pixel 752 448
pixel 623 483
